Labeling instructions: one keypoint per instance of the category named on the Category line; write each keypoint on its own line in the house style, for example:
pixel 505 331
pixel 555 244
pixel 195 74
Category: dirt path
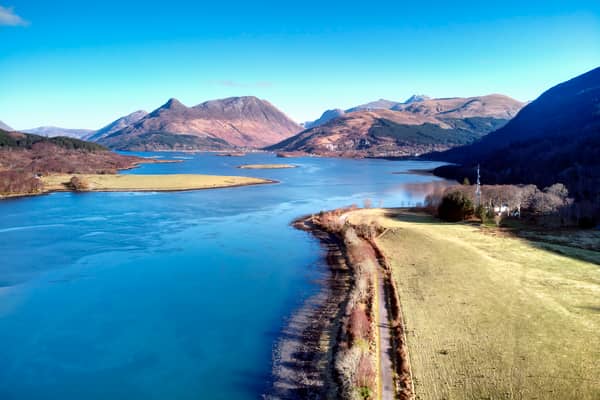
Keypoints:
pixel 386 366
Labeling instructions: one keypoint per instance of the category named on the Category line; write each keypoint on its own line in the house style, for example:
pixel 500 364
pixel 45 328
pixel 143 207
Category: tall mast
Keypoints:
pixel 478 189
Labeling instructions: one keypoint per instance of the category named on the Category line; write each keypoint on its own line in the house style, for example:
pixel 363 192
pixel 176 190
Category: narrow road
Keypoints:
pixel 385 344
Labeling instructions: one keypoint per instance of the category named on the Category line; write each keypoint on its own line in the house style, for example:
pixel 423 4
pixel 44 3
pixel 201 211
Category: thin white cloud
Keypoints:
pixel 9 18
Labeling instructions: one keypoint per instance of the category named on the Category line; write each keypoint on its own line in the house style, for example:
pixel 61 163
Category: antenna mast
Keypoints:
pixel 478 189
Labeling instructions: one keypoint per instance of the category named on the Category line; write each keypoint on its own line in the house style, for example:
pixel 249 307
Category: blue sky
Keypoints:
pixel 83 64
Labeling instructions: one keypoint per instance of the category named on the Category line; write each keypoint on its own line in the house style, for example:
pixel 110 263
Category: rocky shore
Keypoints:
pixel 303 358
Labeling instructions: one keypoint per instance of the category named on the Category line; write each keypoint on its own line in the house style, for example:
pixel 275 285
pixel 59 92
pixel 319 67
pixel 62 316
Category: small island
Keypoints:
pixel 144 183
pixel 232 154
pixel 267 166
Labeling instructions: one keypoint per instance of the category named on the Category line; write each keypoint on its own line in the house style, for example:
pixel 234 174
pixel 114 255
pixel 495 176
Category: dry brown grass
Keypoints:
pixel 110 183
pixel 356 353
pixel 266 166
pixel 493 317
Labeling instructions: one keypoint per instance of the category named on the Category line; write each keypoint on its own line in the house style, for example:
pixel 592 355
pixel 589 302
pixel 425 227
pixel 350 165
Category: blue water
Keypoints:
pixel 168 295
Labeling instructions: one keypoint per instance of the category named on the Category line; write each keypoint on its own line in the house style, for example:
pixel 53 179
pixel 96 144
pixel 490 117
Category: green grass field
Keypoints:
pixel 493 316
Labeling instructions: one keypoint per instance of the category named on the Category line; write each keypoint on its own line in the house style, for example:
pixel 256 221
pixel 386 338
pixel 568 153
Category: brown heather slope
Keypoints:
pixel 213 125
pixel 555 138
pixel 116 125
pixel 23 157
pixel 493 106
pixel 405 129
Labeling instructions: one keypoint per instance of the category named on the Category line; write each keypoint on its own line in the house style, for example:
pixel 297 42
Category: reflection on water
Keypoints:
pixel 169 295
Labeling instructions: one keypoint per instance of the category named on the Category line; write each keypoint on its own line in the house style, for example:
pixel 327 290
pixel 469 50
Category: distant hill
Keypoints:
pixel 20 140
pixel 492 106
pixel 24 156
pixel 380 104
pixel 117 125
pixel 325 117
pixel 555 138
pixel 419 125
pixel 417 98
pixel 5 127
pixel 213 125
pixel 52 131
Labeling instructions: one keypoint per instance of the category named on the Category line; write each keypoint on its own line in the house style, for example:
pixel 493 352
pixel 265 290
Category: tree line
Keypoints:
pixel 550 206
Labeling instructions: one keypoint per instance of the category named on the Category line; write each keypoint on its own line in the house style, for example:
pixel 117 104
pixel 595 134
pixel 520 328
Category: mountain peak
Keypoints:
pixel 237 101
pixel 245 121
pixel 374 105
pixel 325 117
pixel 173 103
pixel 416 98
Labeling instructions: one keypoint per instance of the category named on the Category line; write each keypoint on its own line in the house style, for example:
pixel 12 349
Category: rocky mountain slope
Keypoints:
pixel 213 125
pixel 324 118
pixel 380 104
pixel 555 138
pixel 492 106
pixel 117 125
pixel 419 125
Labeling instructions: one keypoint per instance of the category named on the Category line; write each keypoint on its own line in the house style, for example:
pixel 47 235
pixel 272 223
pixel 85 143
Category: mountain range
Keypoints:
pixel 54 131
pixel 381 104
pixel 117 125
pixel 213 125
pixel 235 122
pixel 379 128
pixel 416 126
pixel 555 138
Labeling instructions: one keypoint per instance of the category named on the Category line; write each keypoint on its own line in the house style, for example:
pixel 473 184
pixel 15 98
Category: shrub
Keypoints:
pixel 358 324
pixel 19 182
pixel 78 184
pixel 346 364
pixel 455 206
pixel 365 376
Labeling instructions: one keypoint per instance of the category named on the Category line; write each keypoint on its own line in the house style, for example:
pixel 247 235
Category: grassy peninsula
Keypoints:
pixel 266 166
pixel 139 183
pixel 33 165
pixel 492 315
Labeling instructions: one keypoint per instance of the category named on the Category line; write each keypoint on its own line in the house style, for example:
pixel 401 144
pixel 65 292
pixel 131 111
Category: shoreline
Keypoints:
pixel 266 166
pixel 55 189
pixel 306 357
pixel 420 172
pixel 303 355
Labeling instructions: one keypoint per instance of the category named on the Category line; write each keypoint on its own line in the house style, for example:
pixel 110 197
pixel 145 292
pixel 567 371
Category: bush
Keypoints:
pixel 12 182
pixel 78 184
pixel 455 206
pixel 365 377
pixel 359 325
